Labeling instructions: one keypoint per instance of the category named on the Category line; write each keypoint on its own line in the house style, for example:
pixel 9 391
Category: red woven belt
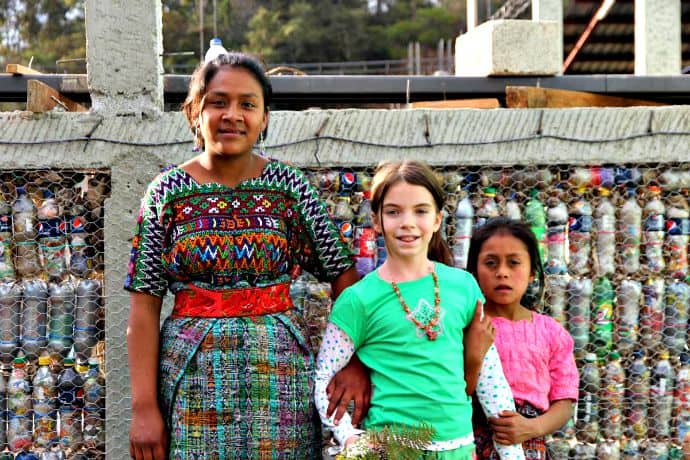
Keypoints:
pixel 198 302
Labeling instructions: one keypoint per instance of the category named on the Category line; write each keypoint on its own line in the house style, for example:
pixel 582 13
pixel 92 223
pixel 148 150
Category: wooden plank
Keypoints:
pixel 528 97
pixel 18 69
pixel 42 98
pixel 457 104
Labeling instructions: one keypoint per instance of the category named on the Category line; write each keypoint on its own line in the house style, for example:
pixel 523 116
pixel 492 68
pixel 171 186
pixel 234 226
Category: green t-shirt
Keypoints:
pixel 415 380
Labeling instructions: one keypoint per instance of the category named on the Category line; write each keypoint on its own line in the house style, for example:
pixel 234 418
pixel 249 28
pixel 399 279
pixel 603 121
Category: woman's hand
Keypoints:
pixel 352 383
pixel 148 438
pixel 512 428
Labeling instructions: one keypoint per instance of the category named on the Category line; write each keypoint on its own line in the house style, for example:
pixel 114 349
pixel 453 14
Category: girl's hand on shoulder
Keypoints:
pixel 148 438
pixel 479 335
pixel 512 428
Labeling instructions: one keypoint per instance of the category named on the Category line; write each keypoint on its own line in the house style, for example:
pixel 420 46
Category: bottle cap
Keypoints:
pixel 93 362
pixel 19 361
pixel 654 189
pixel 638 354
pixel 614 355
pixel 490 191
pixel 685 358
pixel 216 41
pixel 534 193
pixel 68 362
pixel 44 360
pixel 663 354
pixel 590 357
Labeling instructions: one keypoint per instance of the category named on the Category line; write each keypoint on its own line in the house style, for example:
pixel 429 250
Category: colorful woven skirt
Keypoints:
pixel 239 388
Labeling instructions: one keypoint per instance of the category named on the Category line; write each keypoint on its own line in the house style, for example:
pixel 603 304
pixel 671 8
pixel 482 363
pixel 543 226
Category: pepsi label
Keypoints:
pixel 6 223
pixel 348 181
pixel 77 225
pixel 51 227
pixel 582 224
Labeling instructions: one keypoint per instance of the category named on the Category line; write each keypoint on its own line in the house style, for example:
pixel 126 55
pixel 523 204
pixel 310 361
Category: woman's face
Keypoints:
pixel 232 112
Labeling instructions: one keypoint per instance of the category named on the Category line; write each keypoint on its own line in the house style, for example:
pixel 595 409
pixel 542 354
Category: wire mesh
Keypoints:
pixel 614 241
pixel 52 329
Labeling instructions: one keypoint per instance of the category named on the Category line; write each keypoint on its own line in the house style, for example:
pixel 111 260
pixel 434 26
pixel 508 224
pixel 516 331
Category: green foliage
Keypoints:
pixel 397 442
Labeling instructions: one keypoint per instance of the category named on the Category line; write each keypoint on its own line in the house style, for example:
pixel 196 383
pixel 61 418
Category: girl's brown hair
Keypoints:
pixel 413 173
pixel 205 72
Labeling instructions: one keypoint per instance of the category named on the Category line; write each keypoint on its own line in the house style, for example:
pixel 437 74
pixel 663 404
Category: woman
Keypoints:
pixel 224 231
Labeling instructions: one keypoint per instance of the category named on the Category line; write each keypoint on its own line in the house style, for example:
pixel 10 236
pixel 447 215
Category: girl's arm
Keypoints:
pixel 478 337
pixel 511 427
pixel 335 351
pixel 148 436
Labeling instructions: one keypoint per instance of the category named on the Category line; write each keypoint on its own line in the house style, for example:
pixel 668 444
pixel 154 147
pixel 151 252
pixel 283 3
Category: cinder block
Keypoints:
pixel 509 47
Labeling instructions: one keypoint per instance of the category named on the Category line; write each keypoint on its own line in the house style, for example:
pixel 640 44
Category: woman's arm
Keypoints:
pixel 148 438
pixel 512 428
pixel 345 279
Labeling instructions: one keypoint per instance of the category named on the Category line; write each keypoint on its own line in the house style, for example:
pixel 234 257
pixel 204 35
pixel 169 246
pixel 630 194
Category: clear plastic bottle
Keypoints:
pixel 612 394
pixel 365 238
pixel 654 230
pixel 626 329
pixel 94 406
pixel 488 207
pixel 215 49
pixel 557 236
pixel 588 402
pixel 44 404
pixel 10 319
pixel 637 397
pixel 80 260
pixel 661 397
pixel 52 242
pixel 512 207
pixel 608 449
pixel 464 217
pixel 61 297
pixel 86 316
pixel 677 229
pixel 583 451
pixel 630 449
pixel 579 234
pixel 34 317
pixel 70 403
pixel 656 450
pixel 605 231
pixel 578 313
pixel 3 407
pixel 19 406
pixel 556 294
pixel 630 231
pixel 681 400
pixel 602 316
pixel 6 264
pixel 24 222
pixel 535 217
pixel 676 299
pixel 298 291
pixel 652 314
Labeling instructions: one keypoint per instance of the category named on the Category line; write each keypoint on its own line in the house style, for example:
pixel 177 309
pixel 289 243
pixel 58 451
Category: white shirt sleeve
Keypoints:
pixel 334 354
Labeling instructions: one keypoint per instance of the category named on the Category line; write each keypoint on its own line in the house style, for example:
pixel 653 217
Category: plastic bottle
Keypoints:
pixel 512 207
pixel 579 235
pixel 70 403
pixel 557 236
pixel 630 231
pixel 365 238
pixel 578 313
pixel 343 216
pixel 626 177
pixel 55 453
pixel 661 397
pixel 52 242
pixel 588 402
pixel 654 230
pixel 94 406
pixel 86 316
pixel 630 449
pixel 583 451
pixel 24 230
pixel 6 264
pixel 215 49
pixel 3 407
pixel 535 217
pixel 44 404
pixel 602 316
pixel 26 455
pixel 19 406
pixel 594 176
pixel 464 217
pixel 676 299
pixel 381 253
pixel 558 447
pixel 10 319
pixel 608 450
pixel 656 450
pixel 681 400
pixel 652 314
pixel 637 396
pixel 605 231
pixel 80 261
pixel 298 291
pixel 61 297
pixel 677 230
pixel 34 317
pixel 626 329
pixel 612 394
pixel 556 294
pixel 488 207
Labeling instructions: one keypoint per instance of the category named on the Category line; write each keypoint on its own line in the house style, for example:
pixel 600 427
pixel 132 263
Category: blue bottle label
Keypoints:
pixel 51 227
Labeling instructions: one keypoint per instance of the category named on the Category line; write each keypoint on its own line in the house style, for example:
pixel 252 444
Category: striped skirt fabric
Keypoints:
pixel 244 392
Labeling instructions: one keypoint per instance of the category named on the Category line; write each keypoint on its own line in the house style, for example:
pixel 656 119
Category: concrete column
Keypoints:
pixel 657 37
pixel 472 16
pixel 124 47
pixel 550 10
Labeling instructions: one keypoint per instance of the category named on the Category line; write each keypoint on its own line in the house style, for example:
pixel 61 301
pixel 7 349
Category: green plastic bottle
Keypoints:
pixel 535 216
pixel 602 316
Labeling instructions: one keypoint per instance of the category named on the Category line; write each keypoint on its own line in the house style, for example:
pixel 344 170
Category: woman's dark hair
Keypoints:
pixel 205 72
pixel 413 173
pixel 520 230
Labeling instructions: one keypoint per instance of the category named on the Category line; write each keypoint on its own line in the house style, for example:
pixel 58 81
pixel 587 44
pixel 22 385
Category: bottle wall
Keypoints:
pixel 52 348
pixel 614 242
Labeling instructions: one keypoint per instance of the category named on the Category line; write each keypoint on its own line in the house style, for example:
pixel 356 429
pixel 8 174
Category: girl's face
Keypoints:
pixel 408 220
pixel 232 113
pixel 504 270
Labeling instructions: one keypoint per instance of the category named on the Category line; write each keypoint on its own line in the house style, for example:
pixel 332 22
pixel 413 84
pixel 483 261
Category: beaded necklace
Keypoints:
pixel 428 328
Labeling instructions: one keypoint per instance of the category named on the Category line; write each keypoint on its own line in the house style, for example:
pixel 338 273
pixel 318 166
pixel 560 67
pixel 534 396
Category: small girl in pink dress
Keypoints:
pixel 536 351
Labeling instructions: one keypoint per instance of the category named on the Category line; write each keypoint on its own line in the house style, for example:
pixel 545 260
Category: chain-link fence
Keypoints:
pixel 614 241
pixel 52 348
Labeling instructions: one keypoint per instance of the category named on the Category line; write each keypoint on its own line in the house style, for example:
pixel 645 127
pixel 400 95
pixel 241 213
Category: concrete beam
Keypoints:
pixel 658 37
pixel 124 47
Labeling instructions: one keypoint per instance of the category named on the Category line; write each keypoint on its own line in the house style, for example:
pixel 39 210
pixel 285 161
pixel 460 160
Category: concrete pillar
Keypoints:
pixel 657 37
pixel 472 16
pixel 124 47
pixel 550 10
